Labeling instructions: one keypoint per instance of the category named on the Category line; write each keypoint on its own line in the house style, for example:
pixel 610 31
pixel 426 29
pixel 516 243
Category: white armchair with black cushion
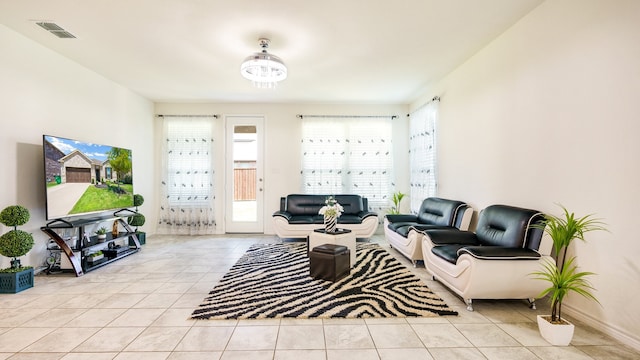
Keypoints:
pixel 400 229
pixel 495 262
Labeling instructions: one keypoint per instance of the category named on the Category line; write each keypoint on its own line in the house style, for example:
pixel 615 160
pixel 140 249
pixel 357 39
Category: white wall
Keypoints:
pixel 549 113
pixel 282 143
pixel 42 92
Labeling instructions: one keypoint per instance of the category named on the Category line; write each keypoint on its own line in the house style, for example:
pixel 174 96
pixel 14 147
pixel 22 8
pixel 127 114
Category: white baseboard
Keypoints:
pixel 631 340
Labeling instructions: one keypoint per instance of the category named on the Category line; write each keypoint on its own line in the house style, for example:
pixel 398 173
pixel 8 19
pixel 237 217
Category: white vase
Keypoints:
pixel 555 334
pixel 93 259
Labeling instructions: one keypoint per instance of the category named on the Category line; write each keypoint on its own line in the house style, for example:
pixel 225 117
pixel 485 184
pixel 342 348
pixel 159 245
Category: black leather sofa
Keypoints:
pixel 298 215
pixel 400 229
pixel 495 262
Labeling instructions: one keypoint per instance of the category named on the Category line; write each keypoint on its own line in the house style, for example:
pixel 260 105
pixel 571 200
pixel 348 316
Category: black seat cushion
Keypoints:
pixel 448 252
pixel 302 219
pixel 451 237
pixel 349 219
pixel 404 230
pixel 499 253
pixel 397 225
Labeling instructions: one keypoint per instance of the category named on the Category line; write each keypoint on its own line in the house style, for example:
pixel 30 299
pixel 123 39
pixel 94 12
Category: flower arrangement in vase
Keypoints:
pixel 331 212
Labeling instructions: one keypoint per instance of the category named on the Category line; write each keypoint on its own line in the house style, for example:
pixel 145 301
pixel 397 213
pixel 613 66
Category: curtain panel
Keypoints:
pixel 348 155
pixel 187 188
pixel 422 154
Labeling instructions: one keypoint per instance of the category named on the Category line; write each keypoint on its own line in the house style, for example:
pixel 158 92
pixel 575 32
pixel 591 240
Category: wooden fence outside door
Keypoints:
pixel 244 180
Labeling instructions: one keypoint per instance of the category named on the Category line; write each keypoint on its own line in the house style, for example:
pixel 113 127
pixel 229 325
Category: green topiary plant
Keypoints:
pixel 138 200
pixel 137 219
pixel 16 242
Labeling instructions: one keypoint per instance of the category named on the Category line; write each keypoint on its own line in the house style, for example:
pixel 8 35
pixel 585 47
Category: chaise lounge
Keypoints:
pixel 496 261
pixel 298 215
pixel 400 230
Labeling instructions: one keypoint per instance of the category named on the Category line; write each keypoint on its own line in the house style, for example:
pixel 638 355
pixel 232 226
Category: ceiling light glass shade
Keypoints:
pixel 263 69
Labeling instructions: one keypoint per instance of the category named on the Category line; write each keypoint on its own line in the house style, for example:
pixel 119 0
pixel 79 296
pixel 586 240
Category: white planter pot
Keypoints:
pixel 555 334
pixel 93 259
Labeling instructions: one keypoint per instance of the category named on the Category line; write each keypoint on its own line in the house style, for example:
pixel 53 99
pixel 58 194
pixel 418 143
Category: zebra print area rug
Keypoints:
pixel 272 281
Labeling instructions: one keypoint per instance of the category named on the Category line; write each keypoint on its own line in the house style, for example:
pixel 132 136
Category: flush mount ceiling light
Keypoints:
pixel 263 69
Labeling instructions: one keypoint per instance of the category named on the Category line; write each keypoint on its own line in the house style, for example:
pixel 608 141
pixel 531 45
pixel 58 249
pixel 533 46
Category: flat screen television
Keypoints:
pixel 84 178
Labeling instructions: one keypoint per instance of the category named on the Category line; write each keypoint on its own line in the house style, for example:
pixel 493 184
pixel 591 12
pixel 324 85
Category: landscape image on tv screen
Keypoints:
pixel 83 178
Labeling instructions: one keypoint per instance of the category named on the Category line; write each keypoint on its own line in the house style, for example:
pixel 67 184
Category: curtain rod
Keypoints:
pixel 435 98
pixel 160 115
pixel 300 116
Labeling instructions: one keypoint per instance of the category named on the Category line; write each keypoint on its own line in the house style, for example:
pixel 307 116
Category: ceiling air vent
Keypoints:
pixel 56 30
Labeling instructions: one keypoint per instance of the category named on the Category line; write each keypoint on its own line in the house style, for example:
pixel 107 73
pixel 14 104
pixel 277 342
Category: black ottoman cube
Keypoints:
pixel 329 262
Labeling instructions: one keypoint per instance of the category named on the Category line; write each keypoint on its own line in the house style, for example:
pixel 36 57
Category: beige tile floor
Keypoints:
pixel 139 307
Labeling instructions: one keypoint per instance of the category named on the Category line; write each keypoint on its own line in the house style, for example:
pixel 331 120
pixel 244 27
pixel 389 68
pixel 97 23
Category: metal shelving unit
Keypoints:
pixel 85 245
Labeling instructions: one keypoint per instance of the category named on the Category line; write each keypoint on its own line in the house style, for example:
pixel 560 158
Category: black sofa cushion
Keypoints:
pixel 452 236
pixel 499 253
pixel 305 219
pixel 448 252
pixel 302 204
pixel 509 226
pixel 437 211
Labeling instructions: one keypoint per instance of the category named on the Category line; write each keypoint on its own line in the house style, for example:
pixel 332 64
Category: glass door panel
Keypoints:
pixel 244 175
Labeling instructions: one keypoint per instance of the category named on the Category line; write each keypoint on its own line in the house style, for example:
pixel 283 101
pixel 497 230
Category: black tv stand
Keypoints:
pixel 78 253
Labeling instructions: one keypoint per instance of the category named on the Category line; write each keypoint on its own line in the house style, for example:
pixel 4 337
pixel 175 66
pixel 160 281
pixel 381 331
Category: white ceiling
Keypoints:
pixel 337 51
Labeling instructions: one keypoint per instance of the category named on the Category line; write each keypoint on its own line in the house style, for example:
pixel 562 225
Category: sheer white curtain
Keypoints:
pixel 422 153
pixel 187 189
pixel 348 155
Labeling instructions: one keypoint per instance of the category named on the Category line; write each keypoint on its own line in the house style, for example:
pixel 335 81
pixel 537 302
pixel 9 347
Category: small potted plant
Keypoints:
pixel 563 275
pixel 137 220
pixel 397 198
pixel 93 257
pixel 102 233
pixel 14 244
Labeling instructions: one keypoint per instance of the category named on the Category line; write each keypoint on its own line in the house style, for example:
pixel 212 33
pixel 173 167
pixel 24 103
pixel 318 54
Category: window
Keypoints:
pixel 348 155
pixel 187 181
pixel 422 153
pixel 189 162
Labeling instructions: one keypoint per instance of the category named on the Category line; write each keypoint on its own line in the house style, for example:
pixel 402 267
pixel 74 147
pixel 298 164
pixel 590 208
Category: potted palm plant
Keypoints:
pixel 14 244
pixel 563 275
pixel 397 198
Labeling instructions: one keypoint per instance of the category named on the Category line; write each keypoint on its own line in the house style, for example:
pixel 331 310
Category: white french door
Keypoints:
pixel 244 185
